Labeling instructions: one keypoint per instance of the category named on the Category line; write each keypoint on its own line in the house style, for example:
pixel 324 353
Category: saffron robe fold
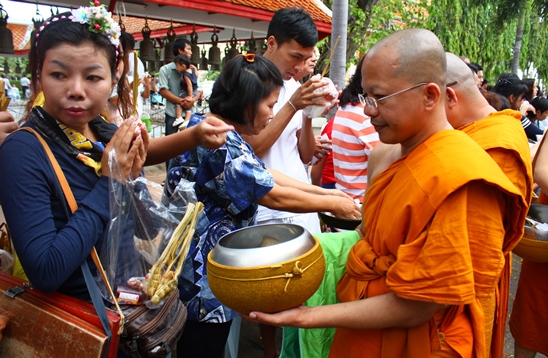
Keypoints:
pixel 501 135
pixel 530 310
pixel 434 230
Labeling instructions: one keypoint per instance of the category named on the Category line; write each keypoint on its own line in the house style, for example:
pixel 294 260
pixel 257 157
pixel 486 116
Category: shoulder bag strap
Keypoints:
pixel 73 207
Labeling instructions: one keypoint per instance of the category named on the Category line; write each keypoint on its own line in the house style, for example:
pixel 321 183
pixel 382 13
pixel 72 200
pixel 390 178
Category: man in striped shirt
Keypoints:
pixel 353 137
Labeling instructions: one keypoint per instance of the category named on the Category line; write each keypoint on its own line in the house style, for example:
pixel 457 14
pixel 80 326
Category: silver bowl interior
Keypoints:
pixel 537 212
pixel 262 245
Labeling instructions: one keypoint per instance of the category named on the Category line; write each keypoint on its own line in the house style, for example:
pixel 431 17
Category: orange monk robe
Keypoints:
pixel 423 216
pixel 529 319
pixel 502 136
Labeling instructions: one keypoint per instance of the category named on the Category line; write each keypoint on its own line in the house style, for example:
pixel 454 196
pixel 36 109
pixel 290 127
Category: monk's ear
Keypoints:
pixel 432 96
pixel 451 98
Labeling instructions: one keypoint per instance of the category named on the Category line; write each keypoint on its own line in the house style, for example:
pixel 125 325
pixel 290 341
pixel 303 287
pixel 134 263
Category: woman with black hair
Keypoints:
pixel 231 181
pixel 510 86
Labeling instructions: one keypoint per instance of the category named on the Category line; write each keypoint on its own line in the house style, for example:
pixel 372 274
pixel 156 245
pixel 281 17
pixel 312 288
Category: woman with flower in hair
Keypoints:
pixel 73 63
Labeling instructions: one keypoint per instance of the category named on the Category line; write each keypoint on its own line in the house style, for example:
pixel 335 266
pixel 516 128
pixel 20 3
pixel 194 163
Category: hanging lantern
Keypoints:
pixel 168 48
pixel 6 37
pixel 203 61
pixel 233 51
pixel 214 52
pixel 195 58
pixel 52 12
pixel 37 21
pixel 225 59
pixel 146 48
pixel 252 44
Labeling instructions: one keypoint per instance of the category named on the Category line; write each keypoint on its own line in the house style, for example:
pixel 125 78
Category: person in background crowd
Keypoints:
pixel 353 139
pixel 321 173
pixel 25 82
pixel 308 68
pixel 7 84
pixel 540 104
pixel 144 78
pixel 511 87
pixel 189 90
pixel 169 84
pixel 475 69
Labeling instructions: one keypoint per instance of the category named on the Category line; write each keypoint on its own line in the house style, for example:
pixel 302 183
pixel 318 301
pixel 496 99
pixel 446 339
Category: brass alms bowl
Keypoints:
pixel 533 246
pixel 266 268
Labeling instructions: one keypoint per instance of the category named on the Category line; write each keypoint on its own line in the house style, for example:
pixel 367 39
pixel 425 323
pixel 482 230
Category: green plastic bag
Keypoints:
pixel 316 342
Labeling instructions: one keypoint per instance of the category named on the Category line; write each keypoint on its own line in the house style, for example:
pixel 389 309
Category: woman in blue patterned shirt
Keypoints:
pixel 231 181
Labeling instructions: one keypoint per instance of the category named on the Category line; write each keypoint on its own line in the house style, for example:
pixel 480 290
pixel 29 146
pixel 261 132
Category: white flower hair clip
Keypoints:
pixel 100 21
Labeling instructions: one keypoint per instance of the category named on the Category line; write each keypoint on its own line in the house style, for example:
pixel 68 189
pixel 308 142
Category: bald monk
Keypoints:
pixel 529 319
pixel 501 135
pixel 410 286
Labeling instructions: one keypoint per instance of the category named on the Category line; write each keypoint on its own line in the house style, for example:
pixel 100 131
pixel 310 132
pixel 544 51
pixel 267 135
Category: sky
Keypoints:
pixel 22 12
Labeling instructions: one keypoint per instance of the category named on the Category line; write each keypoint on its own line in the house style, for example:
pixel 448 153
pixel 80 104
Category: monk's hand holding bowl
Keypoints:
pixel 294 317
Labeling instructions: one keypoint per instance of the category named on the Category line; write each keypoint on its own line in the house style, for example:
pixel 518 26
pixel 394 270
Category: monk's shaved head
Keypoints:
pixel 458 70
pixel 464 103
pixel 415 54
pixel 409 64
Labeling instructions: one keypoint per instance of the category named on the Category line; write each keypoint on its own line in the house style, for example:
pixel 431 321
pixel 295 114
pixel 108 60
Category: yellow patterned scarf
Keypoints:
pixel 72 141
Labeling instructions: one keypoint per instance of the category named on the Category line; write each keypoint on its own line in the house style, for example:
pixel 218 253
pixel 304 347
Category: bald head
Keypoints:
pixel 458 70
pixel 464 103
pixel 409 64
pixel 418 55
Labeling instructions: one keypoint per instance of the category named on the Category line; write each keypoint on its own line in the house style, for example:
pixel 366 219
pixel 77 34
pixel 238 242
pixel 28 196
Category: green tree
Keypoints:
pixel 371 20
pixel 501 35
pixel 468 30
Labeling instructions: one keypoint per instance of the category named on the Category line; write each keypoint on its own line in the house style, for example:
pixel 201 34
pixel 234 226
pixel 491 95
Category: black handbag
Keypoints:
pixel 153 332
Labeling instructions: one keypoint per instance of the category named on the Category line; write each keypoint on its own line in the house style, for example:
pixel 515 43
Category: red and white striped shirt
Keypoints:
pixel 353 138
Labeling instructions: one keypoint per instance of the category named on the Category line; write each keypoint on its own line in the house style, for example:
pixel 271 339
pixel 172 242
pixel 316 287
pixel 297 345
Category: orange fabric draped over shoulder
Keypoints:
pixel 423 220
pixel 530 309
pixel 502 136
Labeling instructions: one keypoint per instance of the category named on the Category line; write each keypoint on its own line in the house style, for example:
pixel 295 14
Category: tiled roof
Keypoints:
pixel 21 36
pixel 309 6
pixel 135 24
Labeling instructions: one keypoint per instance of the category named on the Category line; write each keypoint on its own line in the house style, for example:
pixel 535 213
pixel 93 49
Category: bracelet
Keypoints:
pixel 291 104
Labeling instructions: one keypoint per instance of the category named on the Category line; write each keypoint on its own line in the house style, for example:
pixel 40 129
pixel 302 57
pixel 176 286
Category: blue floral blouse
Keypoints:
pixel 229 181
